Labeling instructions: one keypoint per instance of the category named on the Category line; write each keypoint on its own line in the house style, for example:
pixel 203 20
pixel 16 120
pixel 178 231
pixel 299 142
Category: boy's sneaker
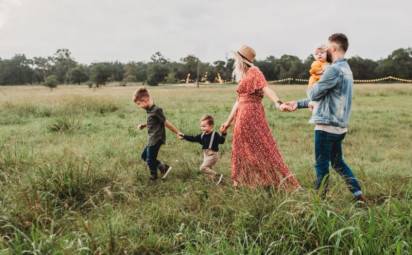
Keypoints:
pixel 153 177
pixel 220 179
pixel 165 170
pixel 361 201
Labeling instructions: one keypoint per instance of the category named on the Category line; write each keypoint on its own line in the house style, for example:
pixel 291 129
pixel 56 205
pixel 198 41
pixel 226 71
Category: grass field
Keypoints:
pixel 71 181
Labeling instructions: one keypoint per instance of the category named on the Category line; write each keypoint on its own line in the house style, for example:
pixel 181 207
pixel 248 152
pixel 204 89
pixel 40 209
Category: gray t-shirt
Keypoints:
pixel 155 125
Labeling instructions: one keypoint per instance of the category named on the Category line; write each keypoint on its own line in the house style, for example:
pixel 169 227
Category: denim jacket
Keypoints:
pixel 333 92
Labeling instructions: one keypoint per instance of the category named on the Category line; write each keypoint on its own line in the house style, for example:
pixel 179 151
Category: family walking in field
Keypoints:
pixel 256 159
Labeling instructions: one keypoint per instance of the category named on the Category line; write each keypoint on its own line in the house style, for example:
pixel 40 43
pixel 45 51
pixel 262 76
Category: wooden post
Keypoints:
pixel 197 74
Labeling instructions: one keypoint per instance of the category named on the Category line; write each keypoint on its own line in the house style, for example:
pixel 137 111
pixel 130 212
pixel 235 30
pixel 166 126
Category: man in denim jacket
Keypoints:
pixel 333 94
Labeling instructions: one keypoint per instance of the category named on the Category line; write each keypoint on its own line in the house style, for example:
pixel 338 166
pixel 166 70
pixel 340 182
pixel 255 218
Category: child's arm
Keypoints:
pixel 167 123
pixel 142 126
pixel 171 127
pixel 195 139
pixel 222 138
pixel 326 83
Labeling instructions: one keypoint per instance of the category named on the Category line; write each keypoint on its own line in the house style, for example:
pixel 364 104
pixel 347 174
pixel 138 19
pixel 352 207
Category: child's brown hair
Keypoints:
pixel 209 119
pixel 140 94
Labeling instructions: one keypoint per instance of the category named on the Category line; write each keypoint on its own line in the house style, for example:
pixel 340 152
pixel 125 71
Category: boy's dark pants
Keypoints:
pixel 150 156
pixel 328 148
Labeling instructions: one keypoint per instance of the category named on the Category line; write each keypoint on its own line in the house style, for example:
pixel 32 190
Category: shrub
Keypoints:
pixel 64 124
pixel 51 82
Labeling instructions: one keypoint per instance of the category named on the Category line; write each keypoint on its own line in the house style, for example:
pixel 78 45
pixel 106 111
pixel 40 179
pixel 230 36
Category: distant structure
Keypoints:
pixel 219 78
pixel 204 78
pixel 188 78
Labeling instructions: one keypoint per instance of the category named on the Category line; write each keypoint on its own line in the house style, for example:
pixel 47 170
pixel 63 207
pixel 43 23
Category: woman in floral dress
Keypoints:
pixel 256 160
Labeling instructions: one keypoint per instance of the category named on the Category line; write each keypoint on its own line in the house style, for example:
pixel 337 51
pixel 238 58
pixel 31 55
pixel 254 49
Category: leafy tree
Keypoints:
pixel 270 67
pixel 171 78
pixel 399 64
pixel 42 68
pixel 117 71
pixel 190 63
pixel 158 58
pixel 100 73
pixel 156 73
pixel 228 75
pixel 16 70
pixel 78 74
pixel 51 82
pixel 130 72
pixel 157 69
pixel 141 72
pixel 362 68
pixel 62 63
pixel 22 70
pixel 290 66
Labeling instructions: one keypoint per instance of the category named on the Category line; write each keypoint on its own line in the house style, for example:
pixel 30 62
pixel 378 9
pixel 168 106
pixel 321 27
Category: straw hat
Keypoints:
pixel 247 54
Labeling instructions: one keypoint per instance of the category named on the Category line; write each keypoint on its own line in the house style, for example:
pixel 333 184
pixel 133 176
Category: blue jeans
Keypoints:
pixel 149 155
pixel 328 148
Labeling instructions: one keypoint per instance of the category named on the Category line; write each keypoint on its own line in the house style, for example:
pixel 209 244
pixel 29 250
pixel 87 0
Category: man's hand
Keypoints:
pixel 311 106
pixel 290 106
pixel 285 108
pixel 141 126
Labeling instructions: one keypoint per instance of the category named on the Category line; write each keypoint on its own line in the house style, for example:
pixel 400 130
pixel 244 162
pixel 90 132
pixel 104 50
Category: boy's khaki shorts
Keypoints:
pixel 210 158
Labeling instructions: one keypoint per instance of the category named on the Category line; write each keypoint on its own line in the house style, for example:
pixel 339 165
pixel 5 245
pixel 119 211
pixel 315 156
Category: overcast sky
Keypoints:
pixel 108 30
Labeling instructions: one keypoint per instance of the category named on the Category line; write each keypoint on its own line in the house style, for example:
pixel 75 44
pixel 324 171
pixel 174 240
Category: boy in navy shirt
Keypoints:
pixel 210 140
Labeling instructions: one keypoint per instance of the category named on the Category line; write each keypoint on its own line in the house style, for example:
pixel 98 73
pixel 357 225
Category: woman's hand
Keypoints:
pixel 290 106
pixel 224 127
pixel 285 108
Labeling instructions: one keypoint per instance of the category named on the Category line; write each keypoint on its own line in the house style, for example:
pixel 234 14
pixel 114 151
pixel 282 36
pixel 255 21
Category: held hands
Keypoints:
pixel 141 126
pixel 223 129
pixel 180 135
pixel 290 106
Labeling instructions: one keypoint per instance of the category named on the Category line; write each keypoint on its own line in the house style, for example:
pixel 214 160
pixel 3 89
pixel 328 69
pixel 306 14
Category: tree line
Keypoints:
pixel 61 68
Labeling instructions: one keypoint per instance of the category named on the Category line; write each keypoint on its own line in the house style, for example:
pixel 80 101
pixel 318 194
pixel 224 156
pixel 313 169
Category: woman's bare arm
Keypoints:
pixel 232 113
pixel 271 94
pixel 230 118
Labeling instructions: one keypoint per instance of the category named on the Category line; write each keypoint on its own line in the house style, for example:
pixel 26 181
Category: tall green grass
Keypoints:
pixel 72 182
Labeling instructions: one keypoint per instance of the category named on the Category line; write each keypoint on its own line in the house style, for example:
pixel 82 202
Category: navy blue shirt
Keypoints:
pixel 204 140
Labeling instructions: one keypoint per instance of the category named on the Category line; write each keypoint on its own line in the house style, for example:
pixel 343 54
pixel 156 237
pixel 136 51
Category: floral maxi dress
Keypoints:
pixel 256 160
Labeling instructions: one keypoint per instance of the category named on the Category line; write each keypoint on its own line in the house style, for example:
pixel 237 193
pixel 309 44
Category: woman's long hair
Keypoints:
pixel 239 68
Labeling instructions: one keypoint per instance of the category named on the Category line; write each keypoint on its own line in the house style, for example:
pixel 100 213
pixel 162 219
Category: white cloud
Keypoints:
pixel 6 7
